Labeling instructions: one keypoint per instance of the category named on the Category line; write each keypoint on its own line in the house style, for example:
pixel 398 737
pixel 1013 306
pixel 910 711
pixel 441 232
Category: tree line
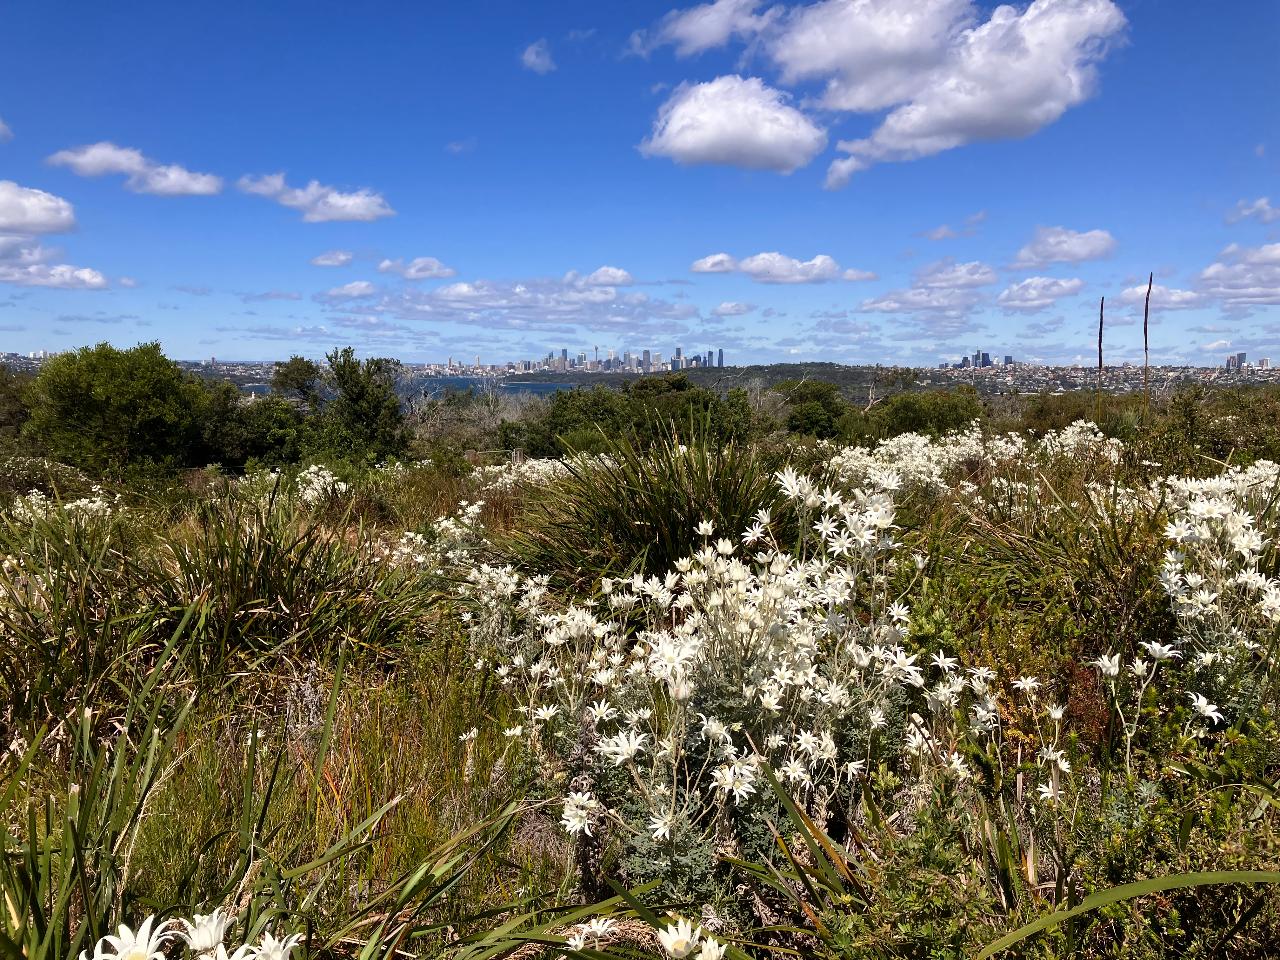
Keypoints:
pixel 109 410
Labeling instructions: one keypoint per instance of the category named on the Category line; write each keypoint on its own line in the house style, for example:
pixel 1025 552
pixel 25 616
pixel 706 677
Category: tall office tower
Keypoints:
pixel 646 361
pixel 564 354
pixel 1008 360
pixel 986 359
pixel 720 357
pixel 679 353
pixel 1264 363
pixel 1231 363
pixel 1240 357
pixel 964 363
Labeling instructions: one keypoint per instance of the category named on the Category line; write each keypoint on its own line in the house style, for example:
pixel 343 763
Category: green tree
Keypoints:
pixel 105 409
pixel 15 405
pixel 364 420
pixel 929 411
pixel 240 430
pixel 814 407
pixel 298 377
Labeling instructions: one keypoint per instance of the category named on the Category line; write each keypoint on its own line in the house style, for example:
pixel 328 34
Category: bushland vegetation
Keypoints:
pixel 782 672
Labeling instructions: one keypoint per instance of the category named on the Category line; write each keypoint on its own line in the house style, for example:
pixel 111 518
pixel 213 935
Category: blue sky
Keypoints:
pixel 849 180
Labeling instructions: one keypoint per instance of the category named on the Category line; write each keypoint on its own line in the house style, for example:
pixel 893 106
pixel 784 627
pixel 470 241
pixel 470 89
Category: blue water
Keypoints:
pixel 436 385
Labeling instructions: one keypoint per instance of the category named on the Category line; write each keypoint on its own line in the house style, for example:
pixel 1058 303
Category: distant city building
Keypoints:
pixel 720 357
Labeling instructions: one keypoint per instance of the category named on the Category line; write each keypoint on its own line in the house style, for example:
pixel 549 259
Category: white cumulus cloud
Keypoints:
pixel 943 301
pixel 355 290
pixel 1260 210
pixel 774 267
pixel 872 54
pixel 949 274
pixel 333 258
pixel 143 175
pixel 1162 297
pixel 608 277
pixel 715 263
pixel 1003 79
pixel 732 308
pixel 1061 245
pixel 28 210
pixel 705 26
pixel 1037 293
pixel 537 57
pixel 949 72
pixel 419 268
pixel 735 121
pixel 1244 276
pixel 317 202
pixel 25 263
pixel 541 305
pixel 63 276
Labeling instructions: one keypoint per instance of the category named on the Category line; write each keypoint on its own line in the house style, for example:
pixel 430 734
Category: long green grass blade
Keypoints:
pixel 1127 891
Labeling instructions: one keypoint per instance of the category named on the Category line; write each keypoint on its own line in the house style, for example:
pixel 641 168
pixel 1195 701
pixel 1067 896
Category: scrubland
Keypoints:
pixel 971 692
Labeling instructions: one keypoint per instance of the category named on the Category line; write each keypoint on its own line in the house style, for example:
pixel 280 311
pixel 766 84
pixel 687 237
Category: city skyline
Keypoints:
pixel 496 178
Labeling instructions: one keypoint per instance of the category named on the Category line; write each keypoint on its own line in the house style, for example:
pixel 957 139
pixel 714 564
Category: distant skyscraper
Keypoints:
pixel 1008 360
pixel 1240 358
pixel 720 357
pixel 646 361
pixel 986 359
pixel 1264 363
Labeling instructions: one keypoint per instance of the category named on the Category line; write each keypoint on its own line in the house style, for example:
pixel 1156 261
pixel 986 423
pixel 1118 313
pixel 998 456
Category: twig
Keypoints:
pixel 1098 400
pixel 1146 352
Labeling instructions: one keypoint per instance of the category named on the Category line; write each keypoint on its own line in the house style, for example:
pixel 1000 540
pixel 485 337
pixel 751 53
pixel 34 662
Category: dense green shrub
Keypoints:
pixel 104 408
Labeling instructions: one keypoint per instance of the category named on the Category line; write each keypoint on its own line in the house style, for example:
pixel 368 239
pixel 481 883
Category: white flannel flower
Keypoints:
pixel 680 939
pixel 1204 708
pixel 576 817
pixel 1108 664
